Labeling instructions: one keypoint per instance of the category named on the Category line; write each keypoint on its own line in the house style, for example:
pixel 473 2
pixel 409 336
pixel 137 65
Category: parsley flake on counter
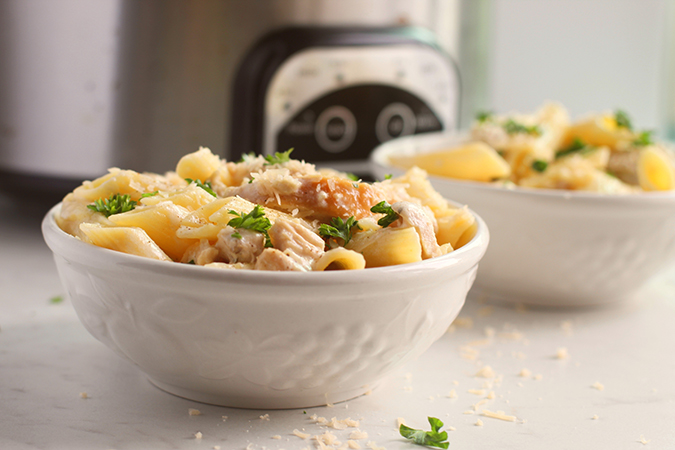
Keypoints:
pixel 115 204
pixel 385 208
pixel 433 438
pixel 278 158
pixel 539 165
pixel 206 186
pixel 513 127
pixel 254 221
pixel 388 176
pixel 339 229
pixel 56 299
pixel 622 120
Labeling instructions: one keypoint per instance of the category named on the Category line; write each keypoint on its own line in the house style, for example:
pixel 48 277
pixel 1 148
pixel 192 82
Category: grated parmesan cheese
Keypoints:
pixel 476 391
pixel 276 436
pixel 452 394
pixel 463 322
pixel 479 423
pixel 538 377
pixel 198 435
pixel 562 353
pixel 83 395
pixel 595 417
pixel 525 373
pixel 194 412
pixel 265 417
pixel 644 441
pixel 400 421
pixel 373 446
pixel 353 445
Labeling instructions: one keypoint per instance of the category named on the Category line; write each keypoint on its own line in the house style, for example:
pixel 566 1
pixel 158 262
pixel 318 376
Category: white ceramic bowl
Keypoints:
pixel 257 339
pixel 555 247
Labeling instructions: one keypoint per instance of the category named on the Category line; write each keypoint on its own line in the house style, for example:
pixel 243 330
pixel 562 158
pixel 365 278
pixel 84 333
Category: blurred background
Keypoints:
pixel 90 84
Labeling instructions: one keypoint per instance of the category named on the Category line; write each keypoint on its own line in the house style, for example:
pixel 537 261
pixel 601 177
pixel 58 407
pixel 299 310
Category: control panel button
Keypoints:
pixel 395 120
pixel 335 129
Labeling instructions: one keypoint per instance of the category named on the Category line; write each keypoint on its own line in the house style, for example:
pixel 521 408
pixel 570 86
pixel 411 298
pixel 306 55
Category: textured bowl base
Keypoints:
pixel 295 402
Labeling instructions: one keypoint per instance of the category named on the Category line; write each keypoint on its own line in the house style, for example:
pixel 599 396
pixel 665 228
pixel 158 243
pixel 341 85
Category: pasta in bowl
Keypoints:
pixel 226 332
pixel 552 247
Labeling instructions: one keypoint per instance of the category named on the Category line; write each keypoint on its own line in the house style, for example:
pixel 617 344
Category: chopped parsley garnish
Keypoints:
pixel 278 158
pixel 622 120
pixel 644 139
pixel 385 208
pixel 149 194
pixel 115 204
pixel 339 229
pixel 576 146
pixel 433 438
pixel 539 165
pixel 56 299
pixel 254 221
pixel 513 127
pixel 483 116
pixel 206 186
pixel 352 177
pixel 388 176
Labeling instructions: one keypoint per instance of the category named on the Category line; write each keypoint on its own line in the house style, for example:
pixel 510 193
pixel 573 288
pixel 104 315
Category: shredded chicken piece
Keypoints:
pixel 297 241
pixel 414 215
pixel 273 259
pixel 200 253
pixel 242 249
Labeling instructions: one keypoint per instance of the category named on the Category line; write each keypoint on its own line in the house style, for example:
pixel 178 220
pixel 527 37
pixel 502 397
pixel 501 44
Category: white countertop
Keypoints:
pixel 48 362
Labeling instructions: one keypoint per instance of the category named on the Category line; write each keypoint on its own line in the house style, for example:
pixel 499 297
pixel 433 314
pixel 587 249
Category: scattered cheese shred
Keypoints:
pixel 353 445
pixel 400 421
pixel 373 446
pixel 198 435
pixel 525 373
pixel 358 434
pixel 491 395
pixel 498 415
pixel 479 423
pixel 476 391
pixel 512 335
pixel 463 322
pixel 479 342
pixel 562 353
pixel 300 434
pixel 489 332
pixel 265 417
pixel 84 395
pixel 468 411
pixel 479 404
pixel 194 412
pixel 452 394
pixel 485 311
pixel 597 385
pixel 538 377
pixel 276 436
pixel 644 441
pixel 595 417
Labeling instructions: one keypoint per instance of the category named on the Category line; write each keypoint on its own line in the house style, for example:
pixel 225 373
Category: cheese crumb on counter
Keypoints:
pixel 476 391
pixel 452 394
pixel 276 436
pixel 373 446
pixel 486 372
pixel 644 441
pixel 198 435
pixel 400 421
pixel 265 417
pixel 525 373
pixel 463 322
pixel 597 385
pixel 224 418
pixel 501 415
pixel 538 377
pixel 595 417
pixel 479 423
pixel 194 412
pixel 84 395
pixel 562 353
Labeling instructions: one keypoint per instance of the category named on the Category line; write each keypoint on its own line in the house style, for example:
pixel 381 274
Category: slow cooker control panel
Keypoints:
pixel 337 104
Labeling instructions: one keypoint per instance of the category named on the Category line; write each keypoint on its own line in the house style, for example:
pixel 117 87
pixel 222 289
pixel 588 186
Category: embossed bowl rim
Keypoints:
pixel 410 145
pixel 454 264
